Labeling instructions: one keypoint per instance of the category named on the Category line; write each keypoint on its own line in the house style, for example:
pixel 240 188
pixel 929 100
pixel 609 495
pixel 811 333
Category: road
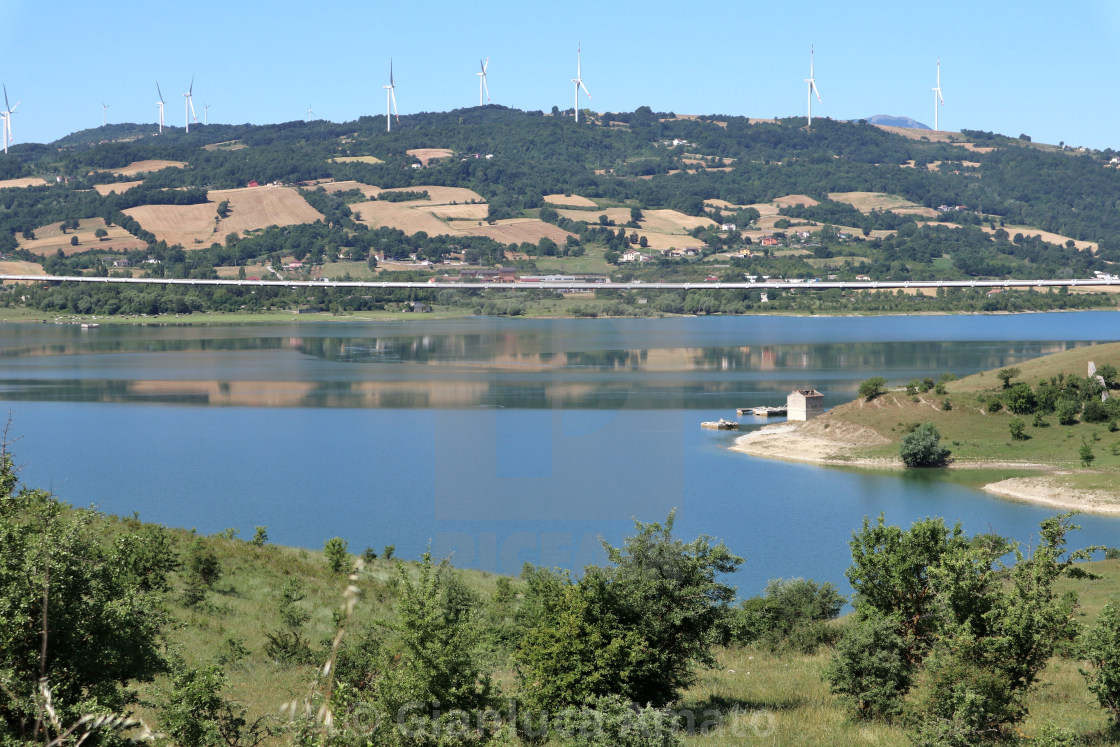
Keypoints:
pixel 584 285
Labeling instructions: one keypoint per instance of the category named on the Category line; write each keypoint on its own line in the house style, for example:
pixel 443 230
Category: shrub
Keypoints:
pixel 994 405
pixel 1006 375
pixel 611 721
pixel 369 555
pixel 1018 429
pixel 1039 421
pixel 1094 412
pixel 1068 410
pixel 946 404
pixel 260 537
pixel 922 447
pixel 387 551
pixel 870 667
pixel 1020 399
pixel 1112 553
pixel 1102 651
pixel 872 388
pixel 338 559
pixel 1086 455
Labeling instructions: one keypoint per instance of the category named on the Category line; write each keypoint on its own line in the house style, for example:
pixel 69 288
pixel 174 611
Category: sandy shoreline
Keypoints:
pixel 838 445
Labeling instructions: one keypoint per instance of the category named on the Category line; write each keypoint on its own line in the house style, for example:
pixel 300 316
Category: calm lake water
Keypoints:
pixel 497 441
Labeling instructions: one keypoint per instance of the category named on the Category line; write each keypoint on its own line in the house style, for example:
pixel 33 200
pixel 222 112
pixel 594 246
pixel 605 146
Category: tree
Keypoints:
pixel 1020 399
pixel 77 615
pixel 643 624
pixel 1102 652
pixel 1108 373
pixel 100 233
pixel 1005 375
pixel 922 447
pixel 425 666
pixel 1068 410
pixel 1086 454
pixel 338 559
pixel 872 388
pixel 73 241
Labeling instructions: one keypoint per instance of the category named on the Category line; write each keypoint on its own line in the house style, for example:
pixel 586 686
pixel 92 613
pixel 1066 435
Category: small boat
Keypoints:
pixel 720 425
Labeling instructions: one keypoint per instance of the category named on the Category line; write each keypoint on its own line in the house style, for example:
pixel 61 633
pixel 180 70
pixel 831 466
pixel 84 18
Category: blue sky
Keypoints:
pixel 1044 69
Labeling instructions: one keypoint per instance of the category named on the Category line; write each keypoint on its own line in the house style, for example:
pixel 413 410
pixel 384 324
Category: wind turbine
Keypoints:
pixel 160 105
pixel 310 113
pixel 205 114
pixel 812 89
pixel 937 98
pixel 390 97
pixel 104 113
pixel 188 105
pixel 578 80
pixel 7 115
pixel 482 81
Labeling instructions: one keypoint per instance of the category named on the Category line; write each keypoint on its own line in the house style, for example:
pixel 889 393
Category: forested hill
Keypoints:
pixel 643 159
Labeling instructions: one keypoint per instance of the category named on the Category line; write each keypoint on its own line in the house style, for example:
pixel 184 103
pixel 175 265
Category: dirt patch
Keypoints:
pixel 424 155
pixel 620 216
pixel 116 188
pixel 403 216
pixel 15 267
pixel 569 200
pixel 251 208
pixel 49 239
pixel 440 195
pixel 671 221
pixel 474 212
pixel 865 202
pixel 817 442
pixel 1049 491
pixel 227 145
pixel 794 200
pixel 663 241
pixel 530 230
pixel 144 167
pixel 1053 238
pixel 357 159
pixel 345 186
pixel 27 181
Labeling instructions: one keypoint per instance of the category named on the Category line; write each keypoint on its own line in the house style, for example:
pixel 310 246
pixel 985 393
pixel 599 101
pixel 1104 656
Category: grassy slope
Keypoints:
pixel 976 436
pixel 785 690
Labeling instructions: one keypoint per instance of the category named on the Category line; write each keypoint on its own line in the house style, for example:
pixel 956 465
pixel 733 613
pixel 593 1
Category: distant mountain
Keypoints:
pixel 892 121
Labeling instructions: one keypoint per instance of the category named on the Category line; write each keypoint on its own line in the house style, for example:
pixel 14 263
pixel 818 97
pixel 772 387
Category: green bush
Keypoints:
pixel 1039 421
pixel 1102 651
pixel 1020 399
pixel 1094 412
pixel 1068 410
pixel 1018 429
pixel 872 388
pixel 870 668
pixel 338 559
pixel 922 447
pixel 994 405
pixel 611 721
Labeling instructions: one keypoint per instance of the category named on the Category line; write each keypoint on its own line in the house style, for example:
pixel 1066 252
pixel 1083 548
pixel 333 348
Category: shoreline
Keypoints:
pixel 804 444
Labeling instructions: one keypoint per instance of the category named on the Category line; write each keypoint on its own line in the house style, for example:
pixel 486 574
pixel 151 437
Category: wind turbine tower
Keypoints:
pixel 937 98
pixel 160 105
pixel 578 80
pixel 482 81
pixel 188 105
pixel 104 113
pixel 310 113
pixel 205 114
pixel 390 98
pixel 812 90
pixel 9 110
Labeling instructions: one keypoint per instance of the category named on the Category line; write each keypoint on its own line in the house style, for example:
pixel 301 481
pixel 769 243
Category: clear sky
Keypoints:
pixel 1041 68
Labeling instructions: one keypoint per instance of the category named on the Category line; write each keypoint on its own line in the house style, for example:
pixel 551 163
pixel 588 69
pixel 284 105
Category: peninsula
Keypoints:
pixel 1043 432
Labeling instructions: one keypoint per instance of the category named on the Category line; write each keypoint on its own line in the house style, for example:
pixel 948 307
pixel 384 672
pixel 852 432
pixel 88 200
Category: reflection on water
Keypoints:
pixel 496 441
pixel 584 364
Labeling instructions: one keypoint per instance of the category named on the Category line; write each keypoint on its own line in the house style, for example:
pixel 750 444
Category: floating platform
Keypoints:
pixel 720 425
pixel 763 412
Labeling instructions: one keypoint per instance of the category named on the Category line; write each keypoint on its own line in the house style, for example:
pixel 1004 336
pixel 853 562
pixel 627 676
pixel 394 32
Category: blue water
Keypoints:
pixel 497 442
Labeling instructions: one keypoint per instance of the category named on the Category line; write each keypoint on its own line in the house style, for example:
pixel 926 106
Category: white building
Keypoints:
pixel 804 404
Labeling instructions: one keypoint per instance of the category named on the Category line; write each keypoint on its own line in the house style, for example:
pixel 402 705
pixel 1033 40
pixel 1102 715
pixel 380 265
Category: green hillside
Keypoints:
pixel 695 196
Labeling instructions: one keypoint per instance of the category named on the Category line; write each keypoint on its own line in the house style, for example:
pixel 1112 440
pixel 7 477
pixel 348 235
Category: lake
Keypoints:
pixel 497 441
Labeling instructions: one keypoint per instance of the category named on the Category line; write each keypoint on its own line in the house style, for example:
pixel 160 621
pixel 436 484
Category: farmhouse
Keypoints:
pixel 804 404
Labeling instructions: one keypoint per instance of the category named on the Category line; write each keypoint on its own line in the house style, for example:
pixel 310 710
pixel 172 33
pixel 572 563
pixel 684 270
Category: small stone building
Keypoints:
pixel 804 404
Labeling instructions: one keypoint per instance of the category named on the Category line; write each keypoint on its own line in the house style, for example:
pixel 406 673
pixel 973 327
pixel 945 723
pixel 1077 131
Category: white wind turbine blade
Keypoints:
pixel 813 84
pixel 581 85
pixel 393 96
pixel 159 92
